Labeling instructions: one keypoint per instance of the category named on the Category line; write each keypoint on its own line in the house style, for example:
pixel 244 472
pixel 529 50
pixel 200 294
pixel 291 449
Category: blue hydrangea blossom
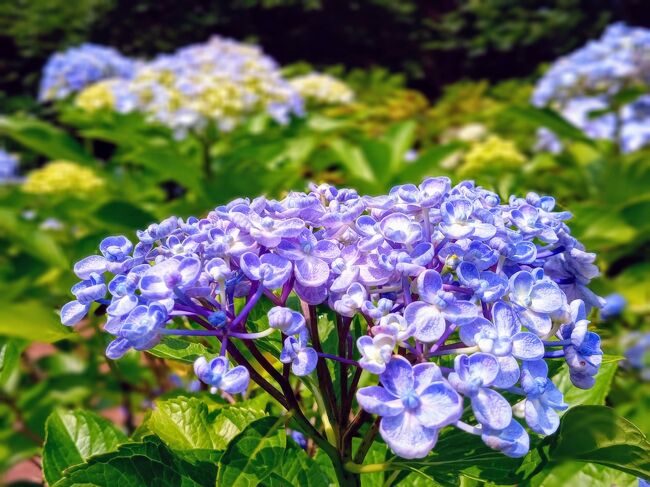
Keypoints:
pixel 410 278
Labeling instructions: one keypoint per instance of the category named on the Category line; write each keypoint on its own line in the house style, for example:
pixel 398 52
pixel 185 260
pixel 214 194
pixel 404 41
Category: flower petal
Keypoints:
pixel 505 320
pixel 508 372
pixel 491 408
pixel 527 346
pixel 406 436
pixel 235 380
pixel 541 418
pixel 398 377
pixel 428 321
pixel 305 362
pixel 429 283
pixel 424 374
pixel 312 272
pixel 512 441
pixel 377 400
pixel 440 405
pixel 546 297
pixel 73 312
pixel 93 264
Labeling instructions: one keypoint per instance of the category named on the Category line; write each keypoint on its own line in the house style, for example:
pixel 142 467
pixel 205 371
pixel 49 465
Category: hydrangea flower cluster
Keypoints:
pixel 494 151
pixel 219 82
pixel 414 278
pixel 8 167
pixel 637 353
pixel 70 71
pixel 323 89
pixel 62 177
pixel 587 80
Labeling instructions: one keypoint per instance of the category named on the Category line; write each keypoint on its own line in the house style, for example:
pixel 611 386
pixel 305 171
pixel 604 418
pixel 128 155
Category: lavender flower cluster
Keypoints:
pixel 429 272
pixel 587 80
pixel 70 71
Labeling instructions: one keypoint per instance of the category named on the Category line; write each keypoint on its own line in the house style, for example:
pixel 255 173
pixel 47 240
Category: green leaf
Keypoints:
pixel 353 160
pixel 178 349
pixel 71 437
pixel 33 241
pixel 124 215
pixel 297 468
pixel 32 321
pixel 253 454
pixel 573 473
pixel 598 434
pixel 400 138
pixel 138 464
pixel 460 453
pixel 545 117
pixel 10 350
pixel 185 423
pixel 594 396
pixel 44 138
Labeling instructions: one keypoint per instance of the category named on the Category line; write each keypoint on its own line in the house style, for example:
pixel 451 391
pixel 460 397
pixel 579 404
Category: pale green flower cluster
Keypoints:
pixel 323 89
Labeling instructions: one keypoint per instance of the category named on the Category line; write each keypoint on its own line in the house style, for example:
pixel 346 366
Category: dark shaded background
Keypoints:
pixel 433 42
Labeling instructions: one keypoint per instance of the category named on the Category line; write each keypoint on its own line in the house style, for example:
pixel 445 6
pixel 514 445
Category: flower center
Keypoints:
pixel 410 400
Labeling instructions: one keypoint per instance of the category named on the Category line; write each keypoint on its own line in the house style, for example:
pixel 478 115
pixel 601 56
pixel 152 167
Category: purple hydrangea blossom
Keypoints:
pixel 410 278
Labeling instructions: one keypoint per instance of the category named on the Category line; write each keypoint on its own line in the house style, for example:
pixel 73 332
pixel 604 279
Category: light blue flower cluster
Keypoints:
pixel 582 85
pixel 71 71
pixel 424 272
pixel 8 167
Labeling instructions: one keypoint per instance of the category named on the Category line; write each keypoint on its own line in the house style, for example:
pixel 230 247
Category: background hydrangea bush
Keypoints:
pixel 440 333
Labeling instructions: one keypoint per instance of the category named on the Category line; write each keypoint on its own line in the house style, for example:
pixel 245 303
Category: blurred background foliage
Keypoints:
pixel 432 43
pixel 441 88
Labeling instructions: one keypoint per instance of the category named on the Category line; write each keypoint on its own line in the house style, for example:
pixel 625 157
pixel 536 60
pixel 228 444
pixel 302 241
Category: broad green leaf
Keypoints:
pixel 71 437
pixel 178 349
pixel 10 350
pixel 400 139
pixel 32 321
pixel 33 241
pixel 578 474
pixel 376 454
pixel 297 468
pixel 545 117
pixel 186 423
pixel 353 159
pixel 594 396
pixel 123 214
pixel 598 434
pixel 44 138
pixel 459 453
pixel 138 464
pixel 253 454
pixel 378 155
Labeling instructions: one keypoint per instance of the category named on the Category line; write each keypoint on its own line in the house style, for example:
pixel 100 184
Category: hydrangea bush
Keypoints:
pixel 448 305
pixel 219 81
pixel 590 87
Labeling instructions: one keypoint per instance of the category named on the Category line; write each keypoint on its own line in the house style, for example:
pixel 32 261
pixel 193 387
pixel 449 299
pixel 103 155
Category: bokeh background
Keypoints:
pixel 109 122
